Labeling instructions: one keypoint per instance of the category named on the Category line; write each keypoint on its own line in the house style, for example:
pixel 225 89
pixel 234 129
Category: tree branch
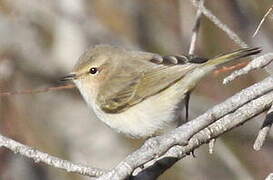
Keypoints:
pixel 229 114
pixel 232 35
pixel 167 149
pixel 39 156
pixel 262 21
pixel 196 27
pixel 264 131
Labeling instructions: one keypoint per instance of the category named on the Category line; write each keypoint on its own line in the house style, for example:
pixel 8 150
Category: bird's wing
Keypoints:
pixel 129 88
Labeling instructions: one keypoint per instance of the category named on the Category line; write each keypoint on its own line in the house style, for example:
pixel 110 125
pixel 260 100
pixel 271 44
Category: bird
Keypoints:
pixel 139 94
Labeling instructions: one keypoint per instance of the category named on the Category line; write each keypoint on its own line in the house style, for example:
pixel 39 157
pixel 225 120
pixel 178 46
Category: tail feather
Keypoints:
pixel 241 53
pixel 190 79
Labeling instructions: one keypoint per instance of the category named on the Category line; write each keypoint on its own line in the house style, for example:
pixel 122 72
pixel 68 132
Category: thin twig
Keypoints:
pixel 264 130
pixel 196 27
pixel 259 62
pixel 31 91
pixel 211 145
pixel 39 156
pixel 232 35
pixel 262 21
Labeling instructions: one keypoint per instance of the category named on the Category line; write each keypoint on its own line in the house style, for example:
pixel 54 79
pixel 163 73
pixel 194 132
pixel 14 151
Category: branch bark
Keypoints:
pixel 229 114
pixel 167 148
pixel 39 156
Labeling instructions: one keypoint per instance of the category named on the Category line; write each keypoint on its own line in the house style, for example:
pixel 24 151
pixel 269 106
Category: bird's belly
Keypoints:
pixel 143 119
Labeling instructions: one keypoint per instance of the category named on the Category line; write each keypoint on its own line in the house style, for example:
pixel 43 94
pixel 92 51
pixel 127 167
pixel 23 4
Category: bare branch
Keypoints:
pixel 38 156
pixel 224 124
pixel 262 21
pixel 231 113
pixel 232 35
pixel 31 91
pixel 211 145
pixel 259 62
pixel 232 161
pixel 264 130
pixel 196 27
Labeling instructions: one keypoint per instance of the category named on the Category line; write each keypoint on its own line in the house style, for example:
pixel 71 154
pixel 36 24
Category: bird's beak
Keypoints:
pixel 69 77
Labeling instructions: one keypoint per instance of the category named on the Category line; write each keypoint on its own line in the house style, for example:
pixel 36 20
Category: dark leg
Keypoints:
pixel 187 102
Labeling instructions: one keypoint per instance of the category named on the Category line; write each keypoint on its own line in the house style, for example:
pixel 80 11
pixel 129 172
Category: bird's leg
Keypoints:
pixel 187 102
pixel 181 118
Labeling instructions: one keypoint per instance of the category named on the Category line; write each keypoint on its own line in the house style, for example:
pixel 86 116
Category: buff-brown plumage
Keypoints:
pixel 139 93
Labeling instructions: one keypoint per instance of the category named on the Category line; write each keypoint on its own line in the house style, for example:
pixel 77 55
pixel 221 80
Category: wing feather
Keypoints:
pixel 131 86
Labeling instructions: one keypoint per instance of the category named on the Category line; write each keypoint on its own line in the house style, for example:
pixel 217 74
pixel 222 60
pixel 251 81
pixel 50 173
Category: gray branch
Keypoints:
pixel 224 124
pixel 38 156
pixel 264 131
pixel 168 148
pixel 229 114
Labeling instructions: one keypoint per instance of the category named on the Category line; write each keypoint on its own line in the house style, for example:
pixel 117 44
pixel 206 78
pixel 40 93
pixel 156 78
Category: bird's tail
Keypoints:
pixel 241 53
pixel 191 78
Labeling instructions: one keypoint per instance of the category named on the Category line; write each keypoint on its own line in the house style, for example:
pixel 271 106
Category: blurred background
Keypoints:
pixel 40 41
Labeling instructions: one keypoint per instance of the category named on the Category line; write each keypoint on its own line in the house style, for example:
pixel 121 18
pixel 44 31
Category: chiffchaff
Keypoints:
pixel 139 93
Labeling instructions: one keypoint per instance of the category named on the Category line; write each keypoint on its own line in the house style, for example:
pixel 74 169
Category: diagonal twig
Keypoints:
pixel 262 21
pixel 231 34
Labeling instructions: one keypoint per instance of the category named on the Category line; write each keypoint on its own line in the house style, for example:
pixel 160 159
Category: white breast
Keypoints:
pixel 143 119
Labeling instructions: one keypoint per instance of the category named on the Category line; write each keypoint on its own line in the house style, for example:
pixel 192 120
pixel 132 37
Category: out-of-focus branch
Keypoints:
pixel 262 21
pixel 259 62
pixel 232 161
pixel 39 156
pixel 196 27
pixel 232 35
pixel 230 68
pixel 269 177
pixel 229 114
pixel 31 91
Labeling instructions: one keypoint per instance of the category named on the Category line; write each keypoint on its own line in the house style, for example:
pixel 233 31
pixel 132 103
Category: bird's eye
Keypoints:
pixel 93 70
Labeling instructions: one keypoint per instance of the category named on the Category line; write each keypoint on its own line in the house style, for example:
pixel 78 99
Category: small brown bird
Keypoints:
pixel 138 93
